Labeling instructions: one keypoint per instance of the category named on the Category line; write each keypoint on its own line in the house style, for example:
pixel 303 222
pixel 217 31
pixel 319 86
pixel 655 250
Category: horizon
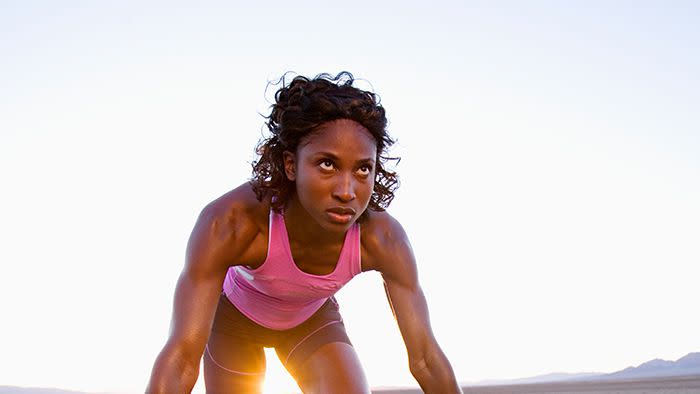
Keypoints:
pixel 548 378
pixel 550 174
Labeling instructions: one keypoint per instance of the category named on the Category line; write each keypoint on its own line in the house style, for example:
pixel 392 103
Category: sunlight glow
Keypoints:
pixel 277 379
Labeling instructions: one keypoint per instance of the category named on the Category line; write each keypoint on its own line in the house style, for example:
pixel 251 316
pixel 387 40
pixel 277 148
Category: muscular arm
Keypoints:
pixel 213 246
pixel 427 361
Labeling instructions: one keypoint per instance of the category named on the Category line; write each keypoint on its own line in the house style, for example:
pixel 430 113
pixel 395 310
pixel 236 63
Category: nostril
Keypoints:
pixel 345 189
pixel 345 196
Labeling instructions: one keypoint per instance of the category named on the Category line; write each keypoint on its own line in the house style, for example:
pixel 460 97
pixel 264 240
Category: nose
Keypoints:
pixel 344 189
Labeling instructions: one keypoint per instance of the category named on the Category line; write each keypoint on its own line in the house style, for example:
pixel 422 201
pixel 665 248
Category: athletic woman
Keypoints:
pixel 265 259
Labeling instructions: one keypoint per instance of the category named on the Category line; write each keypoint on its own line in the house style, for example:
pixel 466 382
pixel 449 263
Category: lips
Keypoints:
pixel 342 210
pixel 340 215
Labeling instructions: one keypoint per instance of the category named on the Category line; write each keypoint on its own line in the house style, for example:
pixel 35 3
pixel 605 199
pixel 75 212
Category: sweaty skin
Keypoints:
pixel 334 171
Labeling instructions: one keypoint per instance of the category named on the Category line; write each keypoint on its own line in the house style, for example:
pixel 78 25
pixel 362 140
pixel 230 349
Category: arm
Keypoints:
pixel 213 245
pixel 427 361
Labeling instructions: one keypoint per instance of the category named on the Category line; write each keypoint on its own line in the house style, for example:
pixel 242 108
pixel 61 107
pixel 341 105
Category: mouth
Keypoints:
pixel 340 215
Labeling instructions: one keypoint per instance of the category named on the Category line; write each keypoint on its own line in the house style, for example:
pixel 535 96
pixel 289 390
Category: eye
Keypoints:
pixel 326 165
pixel 365 170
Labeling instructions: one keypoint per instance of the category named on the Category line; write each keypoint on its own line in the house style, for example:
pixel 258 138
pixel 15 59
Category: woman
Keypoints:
pixel 280 246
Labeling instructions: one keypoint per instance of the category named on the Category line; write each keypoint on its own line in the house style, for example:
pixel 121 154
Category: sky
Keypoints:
pixel 550 174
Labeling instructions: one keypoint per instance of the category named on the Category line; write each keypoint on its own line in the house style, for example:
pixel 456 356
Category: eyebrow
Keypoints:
pixel 330 155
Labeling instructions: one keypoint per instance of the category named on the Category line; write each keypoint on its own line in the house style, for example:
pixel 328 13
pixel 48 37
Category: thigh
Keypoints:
pixel 332 368
pixel 295 345
pixel 320 356
pixel 234 358
pixel 232 365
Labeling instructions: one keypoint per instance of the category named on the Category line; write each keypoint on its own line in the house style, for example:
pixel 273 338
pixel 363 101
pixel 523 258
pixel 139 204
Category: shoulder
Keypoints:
pixel 237 209
pixel 232 224
pixel 384 242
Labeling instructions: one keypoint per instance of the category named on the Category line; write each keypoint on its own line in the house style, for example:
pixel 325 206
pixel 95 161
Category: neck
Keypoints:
pixel 303 229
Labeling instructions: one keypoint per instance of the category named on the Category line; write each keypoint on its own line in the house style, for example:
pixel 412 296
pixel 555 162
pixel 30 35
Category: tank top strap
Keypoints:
pixel 351 250
pixel 277 243
pixel 348 264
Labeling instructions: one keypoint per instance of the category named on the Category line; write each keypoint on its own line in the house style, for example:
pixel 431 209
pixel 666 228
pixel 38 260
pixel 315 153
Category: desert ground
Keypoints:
pixel 668 385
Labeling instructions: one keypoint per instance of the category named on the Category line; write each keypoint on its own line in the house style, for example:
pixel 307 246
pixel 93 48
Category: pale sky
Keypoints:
pixel 550 174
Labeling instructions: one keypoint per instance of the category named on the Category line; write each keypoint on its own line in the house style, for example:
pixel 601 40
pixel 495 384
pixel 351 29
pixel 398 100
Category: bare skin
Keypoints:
pixel 333 168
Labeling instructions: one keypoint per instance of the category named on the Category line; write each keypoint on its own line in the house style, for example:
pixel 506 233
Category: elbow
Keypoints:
pixel 422 359
pixel 434 374
pixel 173 372
pixel 418 367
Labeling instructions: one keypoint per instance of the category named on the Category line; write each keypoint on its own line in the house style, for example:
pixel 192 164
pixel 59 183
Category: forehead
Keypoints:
pixel 342 137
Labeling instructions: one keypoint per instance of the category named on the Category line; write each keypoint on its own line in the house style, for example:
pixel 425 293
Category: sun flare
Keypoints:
pixel 277 379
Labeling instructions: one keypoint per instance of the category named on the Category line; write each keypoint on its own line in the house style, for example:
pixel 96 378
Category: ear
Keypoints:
pixel 290 165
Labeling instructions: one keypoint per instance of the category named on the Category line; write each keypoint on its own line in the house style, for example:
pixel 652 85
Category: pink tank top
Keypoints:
pixel 279 295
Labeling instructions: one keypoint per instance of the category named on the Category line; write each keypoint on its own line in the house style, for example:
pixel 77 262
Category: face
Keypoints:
pixel 334 170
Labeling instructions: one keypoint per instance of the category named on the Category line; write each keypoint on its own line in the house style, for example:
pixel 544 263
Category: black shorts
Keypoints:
pixel 236 343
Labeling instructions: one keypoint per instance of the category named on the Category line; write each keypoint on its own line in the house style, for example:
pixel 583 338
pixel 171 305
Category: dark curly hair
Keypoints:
pixel 303 105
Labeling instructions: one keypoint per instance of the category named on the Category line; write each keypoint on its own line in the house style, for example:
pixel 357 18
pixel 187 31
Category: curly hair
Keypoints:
pixel 302 106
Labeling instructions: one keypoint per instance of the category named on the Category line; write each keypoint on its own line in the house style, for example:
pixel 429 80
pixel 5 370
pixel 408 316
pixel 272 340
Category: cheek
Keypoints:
pixel 366 189
pixel 310 182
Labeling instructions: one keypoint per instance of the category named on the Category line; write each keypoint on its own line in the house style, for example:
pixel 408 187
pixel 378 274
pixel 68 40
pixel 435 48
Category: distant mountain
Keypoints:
pixel 686 365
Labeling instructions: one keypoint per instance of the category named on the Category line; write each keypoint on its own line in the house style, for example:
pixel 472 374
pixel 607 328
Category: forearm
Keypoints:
pixel 172 374
pixel 434 374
